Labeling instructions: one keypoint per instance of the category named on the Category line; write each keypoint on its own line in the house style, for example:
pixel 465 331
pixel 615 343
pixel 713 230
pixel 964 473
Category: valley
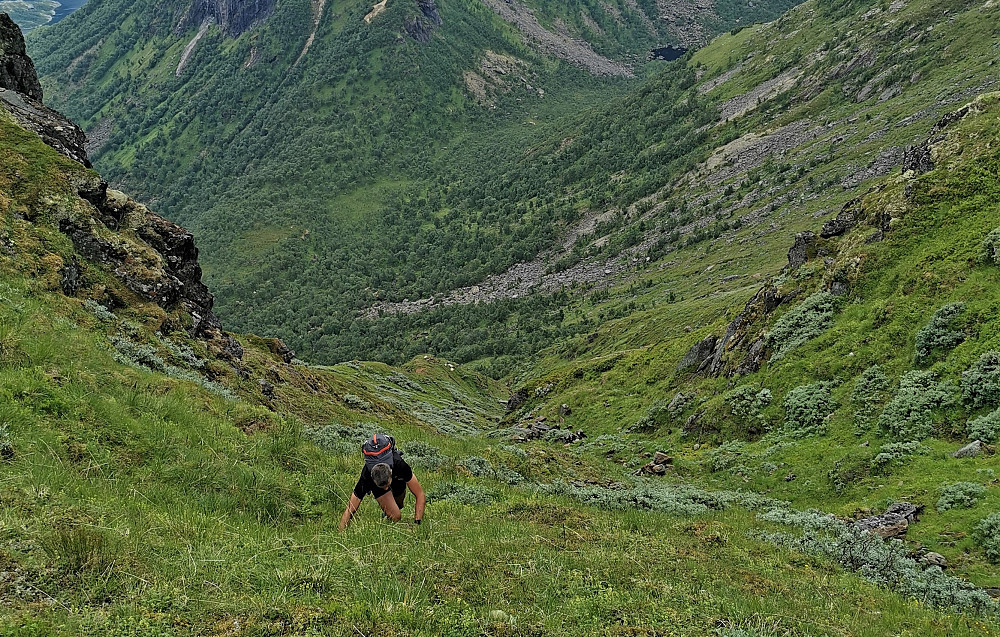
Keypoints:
pixel 705 346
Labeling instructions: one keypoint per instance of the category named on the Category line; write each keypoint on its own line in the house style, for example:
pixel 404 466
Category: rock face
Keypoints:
pixel 163 268
pixel 421 28
pixel 234 16
pixel 17 71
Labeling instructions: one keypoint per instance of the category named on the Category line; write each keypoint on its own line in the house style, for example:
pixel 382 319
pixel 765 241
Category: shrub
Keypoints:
pixel 470 494
pixel 881 561
pixel 807 408
pixel 482 468
pixel 939 335
pixel 895 453
pixel 987 534
pixel 989 249
pixel 423 455
pixel 910 413
pixel 726 455
pixel 869 395
pixel 336 438
pixel 981 382
pixel 807 320
pixel 746 407
pixel 102 313
pixel 985 428
pixel 657 414
pixel 139 355
pixel 356 402
pixel 960 495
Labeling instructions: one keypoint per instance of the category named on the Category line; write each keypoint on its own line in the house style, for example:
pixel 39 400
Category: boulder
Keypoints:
pixel 970 450
pixel 661 457
pixel 931 558
pixel 699 355
pixel 893 523
pixel 803 249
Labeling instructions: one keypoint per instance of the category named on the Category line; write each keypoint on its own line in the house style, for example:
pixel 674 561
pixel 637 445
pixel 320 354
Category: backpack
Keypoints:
pixel 380 448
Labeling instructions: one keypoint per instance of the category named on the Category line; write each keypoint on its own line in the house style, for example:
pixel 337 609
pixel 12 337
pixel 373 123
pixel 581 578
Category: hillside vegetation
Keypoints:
pixel 750 326
pixel 356 171
pixel 154 486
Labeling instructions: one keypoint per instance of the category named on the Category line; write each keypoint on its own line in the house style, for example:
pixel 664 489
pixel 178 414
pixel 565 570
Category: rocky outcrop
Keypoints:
pixel 848 217
pixel 17 71
pixel 893 523
pixel 162 267
pixel 803 249
pixel 699 356
pixel 421 28
pixel 737 335
pixel 21 96
pixel 235 17
pixel 54 129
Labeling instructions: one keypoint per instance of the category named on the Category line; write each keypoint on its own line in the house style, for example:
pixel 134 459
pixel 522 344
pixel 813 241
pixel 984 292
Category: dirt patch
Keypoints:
pixel 189 49
pixel 743 104
pixel 376 10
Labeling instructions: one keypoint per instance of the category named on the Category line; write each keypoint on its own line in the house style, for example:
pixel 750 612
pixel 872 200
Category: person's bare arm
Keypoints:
pixel 418 493
pixel 388 504
pixel 352 505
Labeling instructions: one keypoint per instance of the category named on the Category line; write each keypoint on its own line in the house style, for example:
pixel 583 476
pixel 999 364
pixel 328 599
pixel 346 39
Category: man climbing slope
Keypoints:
pixel 386 476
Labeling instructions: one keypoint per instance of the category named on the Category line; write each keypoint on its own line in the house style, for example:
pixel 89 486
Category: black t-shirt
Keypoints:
pixel 401 474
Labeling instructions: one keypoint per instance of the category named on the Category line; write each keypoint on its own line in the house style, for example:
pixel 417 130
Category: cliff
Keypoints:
pixel 234 16
pixel 154 259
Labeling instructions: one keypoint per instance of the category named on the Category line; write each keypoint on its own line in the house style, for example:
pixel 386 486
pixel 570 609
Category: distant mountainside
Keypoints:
pixel 317 154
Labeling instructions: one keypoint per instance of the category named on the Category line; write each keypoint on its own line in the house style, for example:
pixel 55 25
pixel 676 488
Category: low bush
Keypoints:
pixel 871 390
pixel 746 405
pixel 895 454
pixel 985 428
pixel 657 415
pixel 471 494
pixel 981 382
pixel 910 414
pixel 726 456
pixel 805 321
pixel 423 455
pixel 987 535
pixel 989 249
pixel 884 562
pixel 960 495
pixel 807 408
pixel 939 335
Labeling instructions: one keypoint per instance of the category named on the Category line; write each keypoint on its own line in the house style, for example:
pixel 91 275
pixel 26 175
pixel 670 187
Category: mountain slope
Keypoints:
pixel 376 121
pixel 140 502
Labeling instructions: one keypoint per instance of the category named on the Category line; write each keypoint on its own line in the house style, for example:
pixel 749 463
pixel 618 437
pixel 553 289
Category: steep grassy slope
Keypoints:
pixel 324 180
pixel 153 486
pixel 159 483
